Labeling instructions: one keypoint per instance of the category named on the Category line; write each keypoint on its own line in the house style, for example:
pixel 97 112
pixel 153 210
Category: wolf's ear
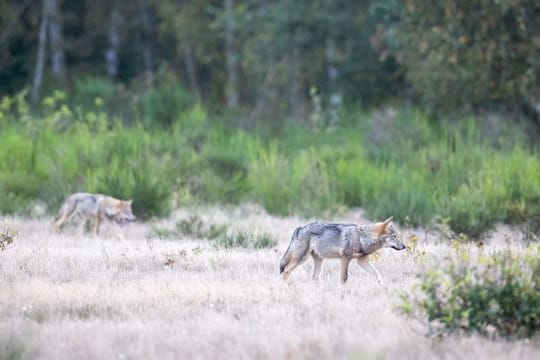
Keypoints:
pixel 380 227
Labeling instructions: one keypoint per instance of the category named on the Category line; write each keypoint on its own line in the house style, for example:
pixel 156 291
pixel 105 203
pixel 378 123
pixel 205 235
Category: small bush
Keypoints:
pixel 493 294
pixel 264 241
pixel 238 239
pixel 241 238
pixel 11 203
pixel 6 237
pixel 292 183
pixel 193 226
pixel 88 89
pixel 225 175
pixel 161 105
pixel 150 195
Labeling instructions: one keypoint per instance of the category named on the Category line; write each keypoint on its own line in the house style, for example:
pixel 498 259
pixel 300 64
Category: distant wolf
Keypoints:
pixel 344 241
pixel 97 207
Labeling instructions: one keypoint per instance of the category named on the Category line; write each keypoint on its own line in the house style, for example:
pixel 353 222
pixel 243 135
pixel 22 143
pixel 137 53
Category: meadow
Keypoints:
pixel 179 296
pixel 217 198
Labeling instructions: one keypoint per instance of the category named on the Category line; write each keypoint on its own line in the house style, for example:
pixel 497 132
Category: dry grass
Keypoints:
pixel 71 296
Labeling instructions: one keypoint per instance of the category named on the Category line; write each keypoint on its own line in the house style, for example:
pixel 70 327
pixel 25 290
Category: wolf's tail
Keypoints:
pixel 286 258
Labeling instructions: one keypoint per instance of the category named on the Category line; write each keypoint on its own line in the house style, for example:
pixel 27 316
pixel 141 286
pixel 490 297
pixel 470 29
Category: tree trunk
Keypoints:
pixel 295 97
pixel 145 35
pixel 231 56
pixel 111 54
pixel 191 71
pixel 335 95
pixel 41 53
pixel 58 65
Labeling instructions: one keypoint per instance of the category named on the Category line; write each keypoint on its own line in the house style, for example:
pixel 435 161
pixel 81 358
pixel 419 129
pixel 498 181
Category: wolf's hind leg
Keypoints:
pixel 96 226
pixel 344 269
pixel 63 216
pixel 55 228
pixel 370 268
pixel 289 268
pixel 293 264
pixel 317 265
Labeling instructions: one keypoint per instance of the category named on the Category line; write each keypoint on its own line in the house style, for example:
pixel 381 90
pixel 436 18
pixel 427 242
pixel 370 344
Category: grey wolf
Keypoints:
pixel 97 207
pixel 344 241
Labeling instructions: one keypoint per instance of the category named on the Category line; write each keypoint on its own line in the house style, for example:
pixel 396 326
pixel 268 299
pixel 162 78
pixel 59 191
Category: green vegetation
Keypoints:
pixel 241 238
pixel 469 54
pixel 194 227
pixel 493 294
pixel 390 163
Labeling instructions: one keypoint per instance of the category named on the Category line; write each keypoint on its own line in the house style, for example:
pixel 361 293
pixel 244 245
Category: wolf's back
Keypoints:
pixel 288 254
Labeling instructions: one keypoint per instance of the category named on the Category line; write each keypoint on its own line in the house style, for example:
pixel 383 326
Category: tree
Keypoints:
pixel 231 54
pixel 41 53
pixel 472 53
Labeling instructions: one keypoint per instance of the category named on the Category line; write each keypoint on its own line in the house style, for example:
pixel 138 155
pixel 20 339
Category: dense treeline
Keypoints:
pixel 282 56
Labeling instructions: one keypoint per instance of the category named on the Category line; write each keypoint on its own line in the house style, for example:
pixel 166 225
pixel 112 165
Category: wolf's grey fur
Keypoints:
pixel 97 207
pixel 345 241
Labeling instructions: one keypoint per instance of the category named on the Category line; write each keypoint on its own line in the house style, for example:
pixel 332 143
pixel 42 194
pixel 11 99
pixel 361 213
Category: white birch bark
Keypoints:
pixel 191 70
pixel 41 53
pixel 231 56
pixel 112 53
pixel 56 40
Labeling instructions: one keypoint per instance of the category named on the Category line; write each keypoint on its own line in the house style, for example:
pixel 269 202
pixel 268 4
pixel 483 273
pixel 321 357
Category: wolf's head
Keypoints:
pixel 123 212
pixel 388 234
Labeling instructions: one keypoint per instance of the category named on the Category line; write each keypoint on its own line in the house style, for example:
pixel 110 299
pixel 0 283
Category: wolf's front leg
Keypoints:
pixel 366 265
pixel 345 269
pixel 317 264
pixel 96 226
pixel 118 231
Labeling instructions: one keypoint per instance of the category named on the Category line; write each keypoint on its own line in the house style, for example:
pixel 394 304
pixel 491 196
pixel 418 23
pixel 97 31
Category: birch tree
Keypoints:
pixel 112 56
pixel 231 55
pixel 58 64
pixel 41 53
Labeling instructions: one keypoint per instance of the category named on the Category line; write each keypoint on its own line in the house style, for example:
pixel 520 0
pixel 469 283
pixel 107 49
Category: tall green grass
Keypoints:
pixel 389 163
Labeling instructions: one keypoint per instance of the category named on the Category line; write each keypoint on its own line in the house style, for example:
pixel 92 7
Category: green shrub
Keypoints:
pixel 11 203
pixel 298 183
pixel 149 193
pixel 264 241
pixel 238 239
pixel 193 226
pixel 161 105
pixel 269 179
pixel 225 175
pixel 493 294
pixel 241 238
pixel 90 90
pixel 398 163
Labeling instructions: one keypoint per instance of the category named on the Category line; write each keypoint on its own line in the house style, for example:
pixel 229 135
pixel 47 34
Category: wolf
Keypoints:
pixel 344 241
pixel 97 207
